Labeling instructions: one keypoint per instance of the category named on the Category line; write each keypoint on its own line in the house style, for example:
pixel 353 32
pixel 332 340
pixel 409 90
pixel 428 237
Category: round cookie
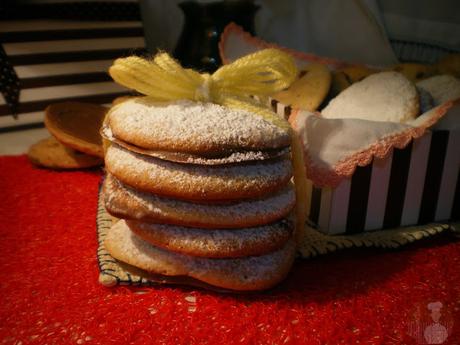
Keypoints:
pixel 385 96
pixel 309 91
pixel 441 87
pixel 205 129
pixel 215 243
pixel 77 125
pixel 197 182
pixel 415 71
pixel 189 158
pixel 125 202
pixel 50 153
pixel 241 274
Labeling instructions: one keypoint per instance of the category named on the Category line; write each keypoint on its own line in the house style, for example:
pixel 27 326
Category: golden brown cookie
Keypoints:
pixel 449 64
pixel 309 91
pixel 357 73
pixel 344 77
pixel 189 158
pixel 77 125
pixel 339 82
pixel 205 129
pixel 215 243
pixel 197 182
pixel 241 274
pixel 174 280
pixel 50 153
pixel 125 202
pixel 415 71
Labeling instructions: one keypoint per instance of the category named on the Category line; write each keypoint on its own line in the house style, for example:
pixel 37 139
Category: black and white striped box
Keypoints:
pixel 418 184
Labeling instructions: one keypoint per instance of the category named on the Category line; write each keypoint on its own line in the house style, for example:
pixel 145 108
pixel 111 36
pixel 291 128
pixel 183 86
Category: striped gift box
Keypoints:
pixel 414 185
pixel 64 61
pixel 418 184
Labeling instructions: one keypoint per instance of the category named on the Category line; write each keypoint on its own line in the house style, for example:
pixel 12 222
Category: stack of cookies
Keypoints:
pixel 202 191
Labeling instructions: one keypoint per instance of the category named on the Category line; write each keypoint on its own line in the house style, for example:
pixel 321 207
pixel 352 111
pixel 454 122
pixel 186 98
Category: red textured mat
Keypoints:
pixel 49 292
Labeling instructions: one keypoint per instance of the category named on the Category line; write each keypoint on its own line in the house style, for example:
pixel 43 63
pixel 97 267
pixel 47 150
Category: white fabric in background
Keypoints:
pixel 428 21
pixel 347 30
pixel 350 30
pixel 422 30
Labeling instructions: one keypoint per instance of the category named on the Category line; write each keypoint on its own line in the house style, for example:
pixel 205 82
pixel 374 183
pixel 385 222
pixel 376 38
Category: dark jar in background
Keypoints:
pixel 197 46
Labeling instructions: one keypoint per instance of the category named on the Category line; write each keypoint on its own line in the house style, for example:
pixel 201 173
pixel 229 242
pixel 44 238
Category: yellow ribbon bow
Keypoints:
pixel 163 79
pixel 259 74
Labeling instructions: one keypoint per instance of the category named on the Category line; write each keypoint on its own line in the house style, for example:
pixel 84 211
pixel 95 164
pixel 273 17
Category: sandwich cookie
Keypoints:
pixel 204 129
pixel 215 243
pixel 241 274
pixel 125 202
pixel 197 182
pixel 190 158
pixel 385 96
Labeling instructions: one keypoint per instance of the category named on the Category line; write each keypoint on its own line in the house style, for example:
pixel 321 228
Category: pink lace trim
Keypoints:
pixel 322 177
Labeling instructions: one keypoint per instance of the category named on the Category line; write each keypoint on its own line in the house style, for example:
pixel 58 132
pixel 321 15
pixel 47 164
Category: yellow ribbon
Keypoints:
pixel 163 79
pixel 260 74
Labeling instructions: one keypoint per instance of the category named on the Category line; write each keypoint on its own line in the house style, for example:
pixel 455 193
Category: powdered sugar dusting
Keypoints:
pixel 187 126
pixel 385 96
pixel 253 272
pixel 198 182
pixel 235 157
pixel 144 206
pixel 188 158
pixel 217 242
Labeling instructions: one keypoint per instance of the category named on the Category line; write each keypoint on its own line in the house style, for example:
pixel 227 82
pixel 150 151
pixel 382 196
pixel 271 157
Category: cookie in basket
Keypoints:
pixel 415 71
pixel 310 90
pixel 344 77
pixel 441 87
pixel 385 96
